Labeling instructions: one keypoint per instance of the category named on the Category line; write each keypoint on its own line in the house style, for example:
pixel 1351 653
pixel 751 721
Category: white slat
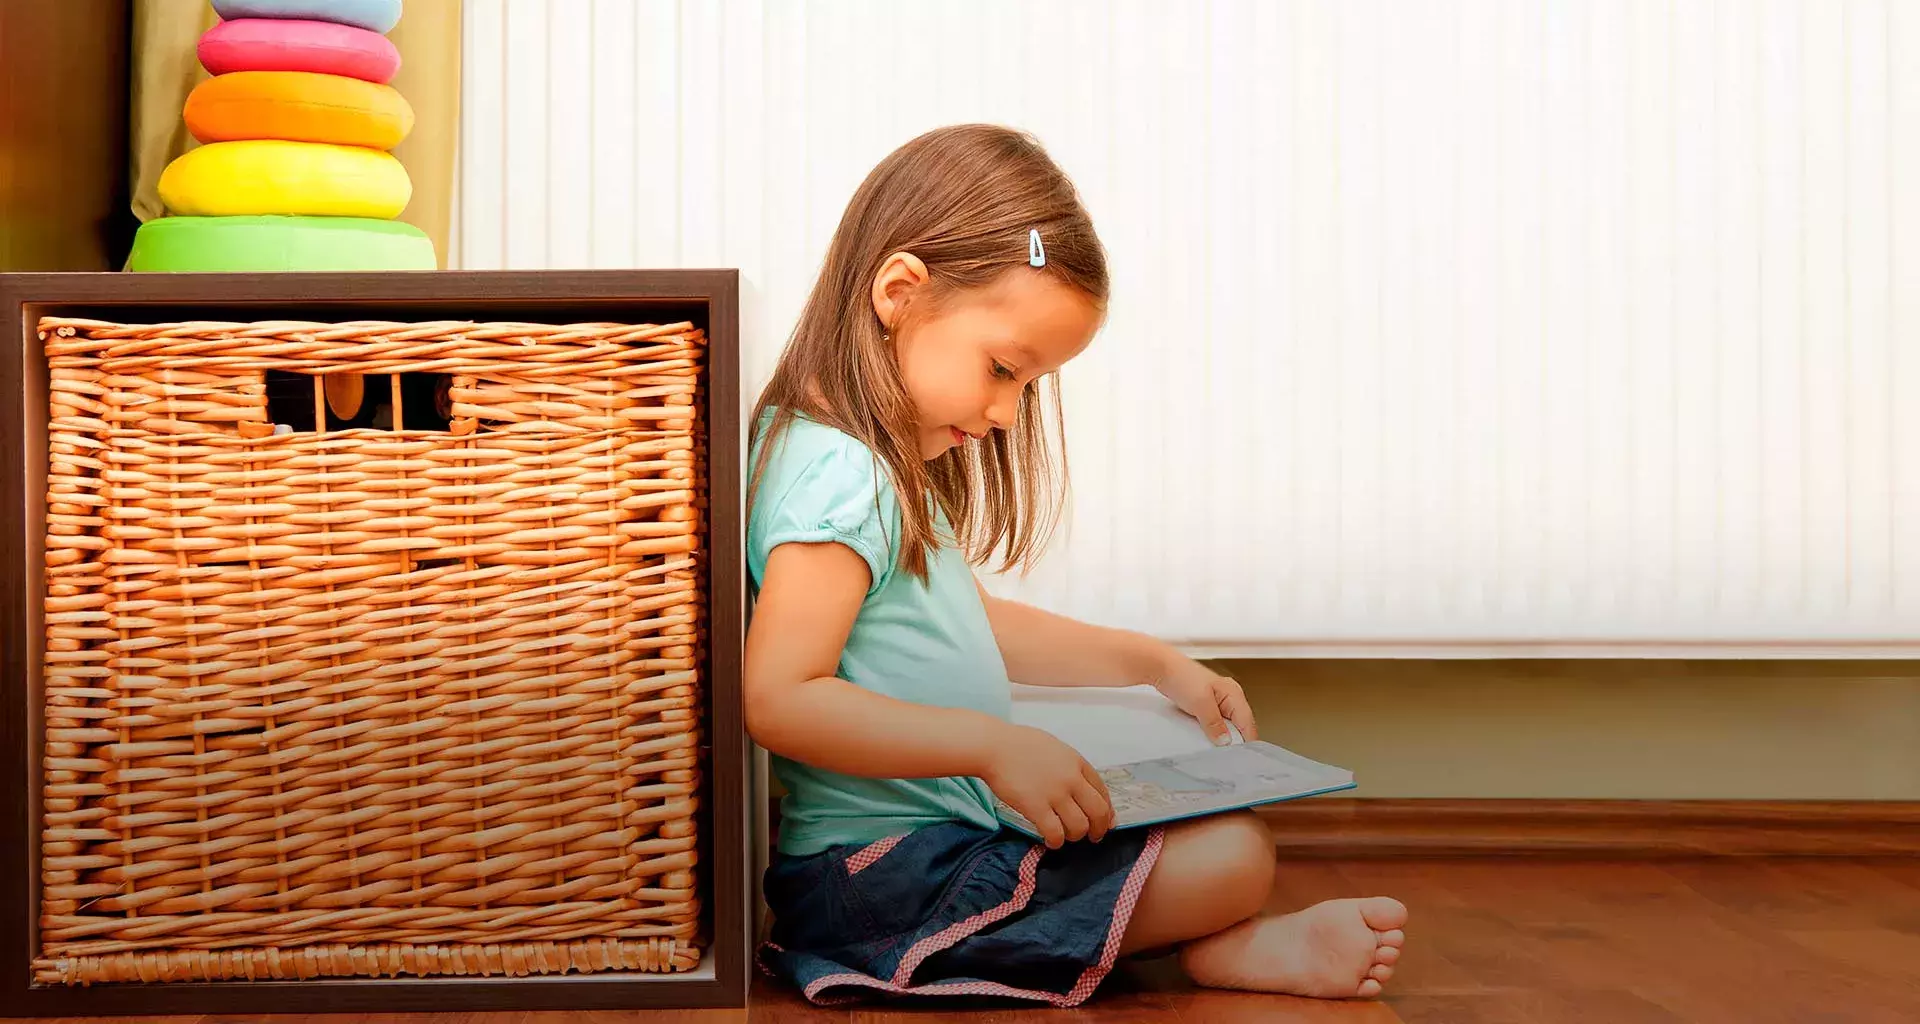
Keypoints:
pixel 526 142
pixel 572 221
pixel 1474 517
pixel 613 146
pixel 1740 460
pixel 1903 171
pixel 1868 379
pixel 659 93
pixel 1608 481
pixel 483 136
pixel 1823 356
pixel 1566 307
pixel 1696 381
pixel 1782 323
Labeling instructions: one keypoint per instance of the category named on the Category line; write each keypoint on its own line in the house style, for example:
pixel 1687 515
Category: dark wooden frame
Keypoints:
pixel 708 297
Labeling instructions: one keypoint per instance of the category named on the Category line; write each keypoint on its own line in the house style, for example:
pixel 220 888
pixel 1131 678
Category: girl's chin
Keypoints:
pixel 935 445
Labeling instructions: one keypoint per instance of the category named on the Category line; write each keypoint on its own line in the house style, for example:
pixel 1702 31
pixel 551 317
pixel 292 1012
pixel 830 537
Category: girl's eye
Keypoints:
pixel 1002 370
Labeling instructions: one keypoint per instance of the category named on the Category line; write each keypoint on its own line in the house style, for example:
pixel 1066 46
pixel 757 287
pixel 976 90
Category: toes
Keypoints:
pixel 1386 955
pixel 1380 973
pixel 1392 939
pixel 1383 913
pixel 1369 988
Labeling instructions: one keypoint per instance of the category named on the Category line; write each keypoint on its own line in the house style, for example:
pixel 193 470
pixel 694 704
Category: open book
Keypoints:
pixel 1173 772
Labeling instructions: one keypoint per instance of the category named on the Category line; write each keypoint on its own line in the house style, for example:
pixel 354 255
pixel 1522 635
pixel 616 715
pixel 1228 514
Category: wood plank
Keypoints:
pixel 1852 920
pixel 194 1019
pixel 773 1002
pixel 1349 828
pixel 709 1016
pixel 1209 1006
pixel 1117 1007
pixel 1635 938
pixel 1531 1006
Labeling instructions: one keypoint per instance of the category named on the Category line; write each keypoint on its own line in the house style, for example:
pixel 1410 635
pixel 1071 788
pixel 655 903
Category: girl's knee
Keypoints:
pixel 1248 827
pixel 1252 848
pixel 1237 852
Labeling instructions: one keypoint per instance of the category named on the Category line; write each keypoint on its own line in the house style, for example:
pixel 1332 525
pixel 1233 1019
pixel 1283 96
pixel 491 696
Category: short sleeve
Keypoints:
pixel 821 485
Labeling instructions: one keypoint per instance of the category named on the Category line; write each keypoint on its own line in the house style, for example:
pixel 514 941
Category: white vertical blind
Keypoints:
pixel 1438 326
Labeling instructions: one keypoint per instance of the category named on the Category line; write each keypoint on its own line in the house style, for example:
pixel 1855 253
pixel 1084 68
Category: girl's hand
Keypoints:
pixel 1050 783
pixel 1211 698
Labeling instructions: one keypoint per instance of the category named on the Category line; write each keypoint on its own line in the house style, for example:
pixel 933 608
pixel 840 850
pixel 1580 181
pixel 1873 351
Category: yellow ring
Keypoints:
pixel 275 176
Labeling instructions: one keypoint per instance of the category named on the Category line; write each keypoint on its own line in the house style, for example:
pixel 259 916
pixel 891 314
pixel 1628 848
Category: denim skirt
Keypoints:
pixel 952 910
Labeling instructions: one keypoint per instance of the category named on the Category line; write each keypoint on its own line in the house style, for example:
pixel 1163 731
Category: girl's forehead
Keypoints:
pixel 1042 318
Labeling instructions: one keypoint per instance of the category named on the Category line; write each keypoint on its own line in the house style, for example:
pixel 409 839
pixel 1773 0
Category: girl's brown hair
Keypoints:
pixel 962 199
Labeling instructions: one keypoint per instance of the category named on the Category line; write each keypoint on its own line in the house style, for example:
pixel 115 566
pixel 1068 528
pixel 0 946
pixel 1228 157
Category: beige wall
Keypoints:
pixel 1600 729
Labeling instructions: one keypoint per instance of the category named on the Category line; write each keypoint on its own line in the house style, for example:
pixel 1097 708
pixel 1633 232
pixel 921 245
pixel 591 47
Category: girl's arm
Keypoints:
pixel 797 707
pixel 1045 649
pixel 1041 648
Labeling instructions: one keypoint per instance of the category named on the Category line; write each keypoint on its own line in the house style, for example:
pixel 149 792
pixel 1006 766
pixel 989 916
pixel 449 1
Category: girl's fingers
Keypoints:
pixel 1231 700
pixel 1092 775
pixel 1051 831
pixel 1208 711
pixel 1099 811
pixel 1073 819
pixel 1239 712
pixel 1097 800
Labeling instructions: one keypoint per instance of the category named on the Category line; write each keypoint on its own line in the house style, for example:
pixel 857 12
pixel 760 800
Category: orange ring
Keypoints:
pixel 298 106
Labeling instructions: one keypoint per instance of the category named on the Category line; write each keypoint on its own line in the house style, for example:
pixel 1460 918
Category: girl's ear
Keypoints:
pixel 899 275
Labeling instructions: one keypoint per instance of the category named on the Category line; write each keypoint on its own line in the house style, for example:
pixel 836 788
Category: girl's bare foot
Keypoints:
pixel 1333 950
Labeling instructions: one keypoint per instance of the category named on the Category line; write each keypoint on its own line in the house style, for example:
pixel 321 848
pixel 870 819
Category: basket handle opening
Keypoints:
pixel 333 402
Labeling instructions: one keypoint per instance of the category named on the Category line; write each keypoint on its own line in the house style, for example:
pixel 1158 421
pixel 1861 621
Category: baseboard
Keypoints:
pixel 1360 828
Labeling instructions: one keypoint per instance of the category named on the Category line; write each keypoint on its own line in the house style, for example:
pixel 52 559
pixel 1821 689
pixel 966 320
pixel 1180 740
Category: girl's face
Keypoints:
pixel 966 365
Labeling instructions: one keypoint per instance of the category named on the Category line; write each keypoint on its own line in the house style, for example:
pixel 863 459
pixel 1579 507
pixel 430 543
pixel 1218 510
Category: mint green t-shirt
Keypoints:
pixel 923 642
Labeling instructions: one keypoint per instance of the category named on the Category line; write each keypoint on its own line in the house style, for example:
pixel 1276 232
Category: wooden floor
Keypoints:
pixel 1507 942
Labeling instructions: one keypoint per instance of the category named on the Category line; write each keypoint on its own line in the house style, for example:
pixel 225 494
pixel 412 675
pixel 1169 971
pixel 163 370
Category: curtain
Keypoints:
pixel 1466 329
pixel 165 68
pixel 429 40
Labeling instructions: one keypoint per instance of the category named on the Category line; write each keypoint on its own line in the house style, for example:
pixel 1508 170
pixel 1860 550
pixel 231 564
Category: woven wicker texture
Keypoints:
pixel 371 702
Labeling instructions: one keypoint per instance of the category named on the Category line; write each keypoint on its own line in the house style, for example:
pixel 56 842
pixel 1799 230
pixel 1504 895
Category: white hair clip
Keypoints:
pixel 1036 253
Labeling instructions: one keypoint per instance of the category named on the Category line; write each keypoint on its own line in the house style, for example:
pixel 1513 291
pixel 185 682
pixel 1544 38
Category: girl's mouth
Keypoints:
pixel 959 436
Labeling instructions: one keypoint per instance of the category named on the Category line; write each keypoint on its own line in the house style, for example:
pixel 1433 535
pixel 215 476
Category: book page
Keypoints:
pixel 1111 725
pixel 1206 781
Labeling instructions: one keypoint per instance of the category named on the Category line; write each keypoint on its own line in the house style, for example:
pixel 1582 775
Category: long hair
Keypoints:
pixel 962 199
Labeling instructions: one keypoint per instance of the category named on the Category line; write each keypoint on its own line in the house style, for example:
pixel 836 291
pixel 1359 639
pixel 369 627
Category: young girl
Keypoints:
pixel 898 444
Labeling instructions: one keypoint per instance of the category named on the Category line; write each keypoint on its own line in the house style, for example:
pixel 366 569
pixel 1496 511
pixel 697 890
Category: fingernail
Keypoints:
pixel 1220 740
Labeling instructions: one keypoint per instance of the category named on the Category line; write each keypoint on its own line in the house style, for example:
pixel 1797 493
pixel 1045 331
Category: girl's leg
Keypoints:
pixel 1207 893
pixel 1213 873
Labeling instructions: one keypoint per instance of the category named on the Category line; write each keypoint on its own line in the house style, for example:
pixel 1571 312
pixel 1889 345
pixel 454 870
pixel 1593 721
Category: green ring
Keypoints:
pixel 279 243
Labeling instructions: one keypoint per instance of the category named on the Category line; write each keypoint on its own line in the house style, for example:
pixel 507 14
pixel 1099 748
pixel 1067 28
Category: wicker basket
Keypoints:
pixel 369 702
